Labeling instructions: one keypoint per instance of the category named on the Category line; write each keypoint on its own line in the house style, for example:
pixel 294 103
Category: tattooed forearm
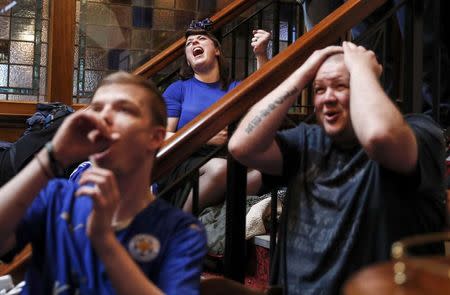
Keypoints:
pixel 272 106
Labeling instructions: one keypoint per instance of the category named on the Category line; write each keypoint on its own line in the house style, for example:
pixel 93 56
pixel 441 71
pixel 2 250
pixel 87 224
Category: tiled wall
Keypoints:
pixel 123 34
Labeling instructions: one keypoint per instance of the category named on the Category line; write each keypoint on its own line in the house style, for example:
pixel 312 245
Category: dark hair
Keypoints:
pixel 186 72
pixel 156 104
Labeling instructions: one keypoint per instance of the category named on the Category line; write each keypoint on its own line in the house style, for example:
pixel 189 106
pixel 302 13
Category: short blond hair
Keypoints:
pixel 157 106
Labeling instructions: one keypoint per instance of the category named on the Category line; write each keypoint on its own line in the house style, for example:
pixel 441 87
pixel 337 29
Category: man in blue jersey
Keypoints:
pixel 105 233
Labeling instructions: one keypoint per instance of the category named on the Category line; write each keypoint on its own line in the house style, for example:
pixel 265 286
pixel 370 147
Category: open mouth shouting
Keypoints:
pixel 331 116
pixel 197 51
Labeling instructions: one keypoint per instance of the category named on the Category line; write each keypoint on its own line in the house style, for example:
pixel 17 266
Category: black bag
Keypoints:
pixel 42 126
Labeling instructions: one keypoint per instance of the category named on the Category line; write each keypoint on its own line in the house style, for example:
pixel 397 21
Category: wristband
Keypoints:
pixel 55 166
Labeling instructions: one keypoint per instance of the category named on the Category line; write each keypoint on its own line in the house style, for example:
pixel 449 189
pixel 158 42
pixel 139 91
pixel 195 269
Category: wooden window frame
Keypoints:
pixel 60 61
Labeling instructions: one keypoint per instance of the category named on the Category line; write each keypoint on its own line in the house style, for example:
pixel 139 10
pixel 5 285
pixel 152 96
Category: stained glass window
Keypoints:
pixel 124 34
pixel 23 49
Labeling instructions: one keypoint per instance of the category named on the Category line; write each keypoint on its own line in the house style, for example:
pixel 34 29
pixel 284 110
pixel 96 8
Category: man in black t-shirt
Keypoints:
pixel 363 178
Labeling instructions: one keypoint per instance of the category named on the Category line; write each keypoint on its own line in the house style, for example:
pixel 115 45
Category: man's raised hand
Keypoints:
pixel 359 58
pixel 81 135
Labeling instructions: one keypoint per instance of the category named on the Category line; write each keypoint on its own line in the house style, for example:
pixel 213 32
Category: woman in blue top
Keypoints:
pixel 204 80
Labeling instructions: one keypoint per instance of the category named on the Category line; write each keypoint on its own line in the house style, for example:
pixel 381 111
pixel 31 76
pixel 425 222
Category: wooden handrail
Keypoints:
pixel 164 58
pixel 17 267
pixel 235 103
pixel 24 109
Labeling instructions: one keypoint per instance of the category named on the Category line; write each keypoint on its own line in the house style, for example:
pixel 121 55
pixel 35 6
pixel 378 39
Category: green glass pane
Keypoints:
pixel 22 29
pixel 20 76
pixel 22 53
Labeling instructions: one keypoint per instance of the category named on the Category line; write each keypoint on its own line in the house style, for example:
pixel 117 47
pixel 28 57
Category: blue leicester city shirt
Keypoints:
pixel 167 244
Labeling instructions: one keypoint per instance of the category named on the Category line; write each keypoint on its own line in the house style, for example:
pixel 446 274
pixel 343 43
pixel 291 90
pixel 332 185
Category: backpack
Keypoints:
pixel 42 126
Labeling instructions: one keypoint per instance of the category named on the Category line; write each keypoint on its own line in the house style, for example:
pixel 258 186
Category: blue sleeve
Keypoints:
pixel 174 98
pixel 180 273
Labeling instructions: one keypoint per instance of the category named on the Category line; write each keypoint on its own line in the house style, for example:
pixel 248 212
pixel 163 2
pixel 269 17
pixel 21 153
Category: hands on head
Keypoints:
pixel 358 57
pixel 355 57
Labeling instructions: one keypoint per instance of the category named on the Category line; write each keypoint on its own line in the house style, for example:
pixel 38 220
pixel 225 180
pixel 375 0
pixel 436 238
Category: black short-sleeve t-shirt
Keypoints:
pixel 344 210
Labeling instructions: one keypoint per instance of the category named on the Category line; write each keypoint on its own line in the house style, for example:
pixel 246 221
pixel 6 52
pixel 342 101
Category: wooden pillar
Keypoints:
pixel 61 51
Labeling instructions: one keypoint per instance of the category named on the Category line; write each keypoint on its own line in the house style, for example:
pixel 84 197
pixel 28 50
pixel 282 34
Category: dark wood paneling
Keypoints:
pixel 61 51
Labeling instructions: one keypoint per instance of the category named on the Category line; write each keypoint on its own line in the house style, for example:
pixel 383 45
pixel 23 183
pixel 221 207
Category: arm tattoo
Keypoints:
pixel 272 106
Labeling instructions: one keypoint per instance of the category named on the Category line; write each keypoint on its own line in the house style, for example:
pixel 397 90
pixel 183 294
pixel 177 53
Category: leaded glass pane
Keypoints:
pixel 4 51
pixel 95 59
pixel 4 27
pixel 44 36
pixel 42 82
pixel 123 34
pixel 44 54
pixel 22 29
pixel 45 9
pixel 21 53
pixel 75 60
pixel 92 78
pixel 3 75
pixel 20 76
pixel 24 8
pixel 23 50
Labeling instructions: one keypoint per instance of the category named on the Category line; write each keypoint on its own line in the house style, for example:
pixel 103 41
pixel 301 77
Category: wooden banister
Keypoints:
pixel 161 60
pixel 236 103
pixel 17 267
